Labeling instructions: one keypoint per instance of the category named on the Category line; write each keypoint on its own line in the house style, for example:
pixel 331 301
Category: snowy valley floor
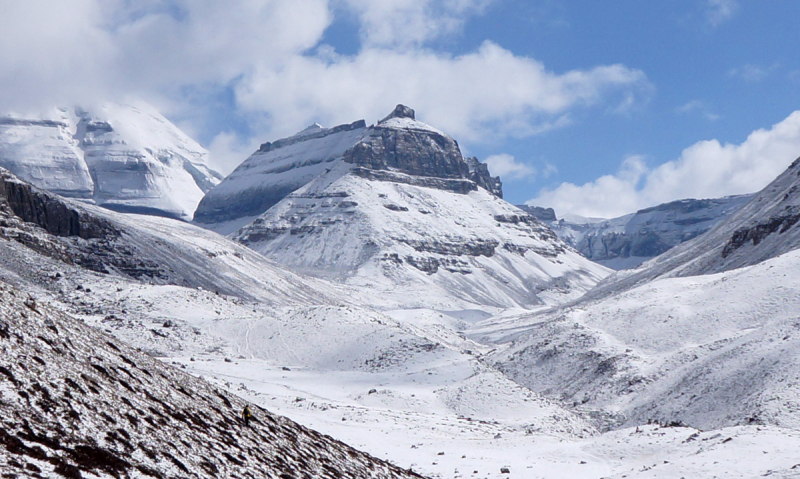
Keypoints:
pixel 408 387
pixel 439 443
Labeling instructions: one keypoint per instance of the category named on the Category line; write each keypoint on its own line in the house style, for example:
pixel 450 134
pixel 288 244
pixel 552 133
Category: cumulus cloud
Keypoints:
pixel 269 55
pixel 707 169
pixel 752 73
pixel 697 107
pixel 486 93
pixel 53 51
pixel 227 150
pixel 407 23
pixel 508 168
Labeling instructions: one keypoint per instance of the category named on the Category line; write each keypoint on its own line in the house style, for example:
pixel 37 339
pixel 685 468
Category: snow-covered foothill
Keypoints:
pixel 706 351
pixel 75 402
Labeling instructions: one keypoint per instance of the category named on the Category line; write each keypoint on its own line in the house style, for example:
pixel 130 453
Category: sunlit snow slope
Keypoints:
pixel 120 156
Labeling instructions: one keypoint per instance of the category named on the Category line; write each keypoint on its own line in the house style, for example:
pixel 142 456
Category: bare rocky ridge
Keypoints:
pixel 76 402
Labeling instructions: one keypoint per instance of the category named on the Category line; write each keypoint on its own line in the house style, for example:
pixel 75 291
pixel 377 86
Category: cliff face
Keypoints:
pixel 400 143
pixel 398 149
pixel 55 216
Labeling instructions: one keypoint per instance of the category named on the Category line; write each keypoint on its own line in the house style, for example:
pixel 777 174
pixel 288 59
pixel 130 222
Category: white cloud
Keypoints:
pixel 52 51
pixel 605 197
pixel 508 168
pixel 488 93
pixel 549 170
pixel 269 53
pixel 410 23
pixel 227 150
pixel 707 169
pixel 720 11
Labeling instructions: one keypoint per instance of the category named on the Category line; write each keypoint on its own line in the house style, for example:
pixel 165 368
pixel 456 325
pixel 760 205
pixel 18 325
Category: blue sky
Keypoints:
pixel 594 108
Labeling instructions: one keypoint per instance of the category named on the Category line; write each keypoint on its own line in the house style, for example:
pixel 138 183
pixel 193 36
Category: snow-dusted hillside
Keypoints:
pixel 401 213
pixel 75 402
pixel 707 351
pixel 120 156
pixel 767 226
pixel 157 250
pixel 628 241
pixel 687 337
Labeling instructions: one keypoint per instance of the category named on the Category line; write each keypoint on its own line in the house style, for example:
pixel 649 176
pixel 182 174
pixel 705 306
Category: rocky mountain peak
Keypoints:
pixel 399 149
pixel 400 111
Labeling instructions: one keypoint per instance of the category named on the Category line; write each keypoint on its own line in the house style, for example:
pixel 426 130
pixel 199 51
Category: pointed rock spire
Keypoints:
pixel 400 111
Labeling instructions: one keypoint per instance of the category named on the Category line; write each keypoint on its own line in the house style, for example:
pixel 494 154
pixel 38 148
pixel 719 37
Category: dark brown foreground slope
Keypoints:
pixel 75 402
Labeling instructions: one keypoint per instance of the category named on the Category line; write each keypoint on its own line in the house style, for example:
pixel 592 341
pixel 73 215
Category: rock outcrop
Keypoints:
pixel 546 215
pixel 479 173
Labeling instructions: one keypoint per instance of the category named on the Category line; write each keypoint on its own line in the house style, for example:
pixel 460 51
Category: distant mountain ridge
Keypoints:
pixel 123 157
pixel 630 240
pixel 765 227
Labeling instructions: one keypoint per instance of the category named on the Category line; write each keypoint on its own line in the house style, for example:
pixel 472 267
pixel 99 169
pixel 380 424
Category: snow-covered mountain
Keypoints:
pixel 766 226
pixel 272 172
pixel 416 386
pixel 630 240
pixel 119 156
pixel 396 208
pixel 702 335
pixel 290 338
